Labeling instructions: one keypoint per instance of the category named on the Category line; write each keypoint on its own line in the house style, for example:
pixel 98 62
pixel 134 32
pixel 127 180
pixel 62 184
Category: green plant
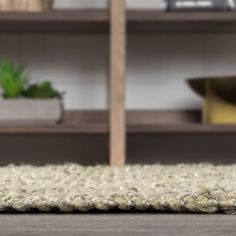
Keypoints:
pixel 14 84
pixel 43 90
pixel 12 79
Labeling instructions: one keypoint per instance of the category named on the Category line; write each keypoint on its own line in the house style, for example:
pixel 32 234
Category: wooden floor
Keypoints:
pixel 117 224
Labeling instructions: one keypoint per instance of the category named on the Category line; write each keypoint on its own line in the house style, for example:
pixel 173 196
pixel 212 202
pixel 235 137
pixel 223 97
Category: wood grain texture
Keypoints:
pixel 118 224
pixel 118 71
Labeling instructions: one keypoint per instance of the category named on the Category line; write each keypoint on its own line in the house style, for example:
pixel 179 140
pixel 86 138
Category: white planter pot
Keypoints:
pixel 30 111
pixel 148 4
pixel 62 4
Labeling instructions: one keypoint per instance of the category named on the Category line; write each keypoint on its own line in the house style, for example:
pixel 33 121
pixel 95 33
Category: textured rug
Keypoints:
pixel 200 188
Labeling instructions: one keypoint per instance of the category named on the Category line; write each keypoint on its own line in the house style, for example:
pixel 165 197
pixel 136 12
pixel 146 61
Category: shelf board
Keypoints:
pixel 74 122
pixel 154 21
pixel 97 21
pixel 138 122
pixel 56 21
pixel 182 129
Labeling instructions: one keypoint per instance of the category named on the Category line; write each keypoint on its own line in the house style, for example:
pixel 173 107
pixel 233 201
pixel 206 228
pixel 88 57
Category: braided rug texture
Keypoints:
pixel 179 188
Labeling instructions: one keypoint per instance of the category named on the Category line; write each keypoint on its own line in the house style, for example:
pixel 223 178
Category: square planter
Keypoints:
pixel 30 111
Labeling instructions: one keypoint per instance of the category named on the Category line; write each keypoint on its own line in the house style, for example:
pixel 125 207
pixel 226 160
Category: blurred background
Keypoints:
pixel 157 67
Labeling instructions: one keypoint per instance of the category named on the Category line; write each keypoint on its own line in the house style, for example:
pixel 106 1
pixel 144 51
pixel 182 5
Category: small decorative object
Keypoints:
pixel 26 5
pixel 219 95
pixel 196 5
pixel 22 103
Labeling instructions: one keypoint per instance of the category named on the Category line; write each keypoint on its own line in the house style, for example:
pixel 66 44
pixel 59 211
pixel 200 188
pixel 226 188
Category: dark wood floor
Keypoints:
pixel 117 224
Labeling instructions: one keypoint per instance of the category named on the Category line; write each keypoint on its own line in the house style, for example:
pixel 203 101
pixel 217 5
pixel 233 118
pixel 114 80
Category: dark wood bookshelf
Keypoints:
pixel 56 21
pixel 138 122
pixel 138 22
pixel 154 21
pixel 97 21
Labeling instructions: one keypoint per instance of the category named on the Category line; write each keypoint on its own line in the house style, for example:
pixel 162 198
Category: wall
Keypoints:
pixel 157 67
pixel 160 4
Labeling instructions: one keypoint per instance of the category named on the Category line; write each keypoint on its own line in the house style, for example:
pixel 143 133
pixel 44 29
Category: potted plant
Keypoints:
pixel 25 103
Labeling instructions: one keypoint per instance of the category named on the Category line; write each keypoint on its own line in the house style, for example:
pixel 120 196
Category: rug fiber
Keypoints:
pixel 201 188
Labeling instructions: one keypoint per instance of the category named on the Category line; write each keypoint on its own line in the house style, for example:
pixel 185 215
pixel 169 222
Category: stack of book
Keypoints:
pixel 204 5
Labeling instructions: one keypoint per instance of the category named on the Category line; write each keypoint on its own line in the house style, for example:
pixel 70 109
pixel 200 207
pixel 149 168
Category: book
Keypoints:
pixel 201 5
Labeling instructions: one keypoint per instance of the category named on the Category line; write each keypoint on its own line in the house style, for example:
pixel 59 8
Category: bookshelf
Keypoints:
pixel 117 122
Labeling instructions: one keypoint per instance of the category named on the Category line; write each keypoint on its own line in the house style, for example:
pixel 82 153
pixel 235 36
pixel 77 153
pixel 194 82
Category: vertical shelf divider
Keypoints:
pixel 117 83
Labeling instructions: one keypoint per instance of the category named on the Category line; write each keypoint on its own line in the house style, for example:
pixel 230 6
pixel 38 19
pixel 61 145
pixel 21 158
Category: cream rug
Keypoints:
pixel 180 188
